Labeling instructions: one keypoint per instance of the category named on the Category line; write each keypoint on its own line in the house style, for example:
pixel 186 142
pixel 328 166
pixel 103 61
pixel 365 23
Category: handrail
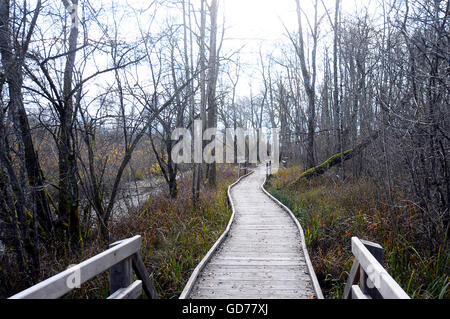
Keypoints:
pixel 374 281
pixel 120 259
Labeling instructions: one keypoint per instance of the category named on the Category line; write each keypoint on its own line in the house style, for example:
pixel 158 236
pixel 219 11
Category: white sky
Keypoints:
pixel 263 19
pixel 260 24
pixel 257 20
pixel 253 25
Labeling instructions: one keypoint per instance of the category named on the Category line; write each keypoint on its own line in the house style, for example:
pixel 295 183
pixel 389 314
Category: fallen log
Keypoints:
pixel 337 159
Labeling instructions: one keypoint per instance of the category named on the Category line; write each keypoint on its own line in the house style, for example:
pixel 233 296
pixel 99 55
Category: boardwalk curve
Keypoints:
pixel 261 255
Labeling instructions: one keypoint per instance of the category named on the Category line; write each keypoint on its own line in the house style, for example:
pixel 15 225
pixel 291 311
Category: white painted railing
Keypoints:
pixel 243 169
pixel 121 259
pixel 368 270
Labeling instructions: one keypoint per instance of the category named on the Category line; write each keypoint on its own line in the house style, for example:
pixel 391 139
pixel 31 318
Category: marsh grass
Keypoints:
pixel 176 235
pixel 332 213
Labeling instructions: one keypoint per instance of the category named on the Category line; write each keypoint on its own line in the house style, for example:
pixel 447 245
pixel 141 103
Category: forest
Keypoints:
pixel 91 92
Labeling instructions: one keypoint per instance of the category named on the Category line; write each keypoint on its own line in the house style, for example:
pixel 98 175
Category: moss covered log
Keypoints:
pixel 337 159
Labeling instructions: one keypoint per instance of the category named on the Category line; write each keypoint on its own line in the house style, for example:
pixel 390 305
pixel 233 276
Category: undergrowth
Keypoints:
pixel 176 235
pixel 332 213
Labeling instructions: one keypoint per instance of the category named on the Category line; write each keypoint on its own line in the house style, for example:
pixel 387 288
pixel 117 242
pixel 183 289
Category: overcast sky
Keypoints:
pixel 260 25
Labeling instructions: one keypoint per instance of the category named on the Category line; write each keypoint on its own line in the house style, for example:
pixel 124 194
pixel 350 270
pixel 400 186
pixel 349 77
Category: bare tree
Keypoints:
pixel 14 46
pixel 213 66
pixel 309 77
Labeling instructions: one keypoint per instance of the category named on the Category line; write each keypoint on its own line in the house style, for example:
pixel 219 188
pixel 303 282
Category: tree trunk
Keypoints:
pixel 12 64
pixel 68 201
pixel 309 80
pixel 212 83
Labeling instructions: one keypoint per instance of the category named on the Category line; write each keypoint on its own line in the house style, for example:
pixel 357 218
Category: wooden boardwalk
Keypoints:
pixel 262 255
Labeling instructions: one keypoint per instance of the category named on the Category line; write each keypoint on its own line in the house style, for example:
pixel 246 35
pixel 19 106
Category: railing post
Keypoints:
pixel 142 274
pixel 378 252
pixel 239 171
pixel 121 274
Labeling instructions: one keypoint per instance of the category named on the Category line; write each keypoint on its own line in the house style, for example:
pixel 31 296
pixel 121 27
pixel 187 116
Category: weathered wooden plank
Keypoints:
pixel 64 282
pixel 253 253
pixel 259 296
pixel 206 293
pixel 242 285
pixel 265 260
pixel 264 227
pixel 266 233
pixel 263 270
pixel 262 290
pixel 256 263
pixel 120 276
pixel 255 276
pixel 265 249
pixel 255 249
pixel 260 238
pixel 286 272
pixel 257 254
pixel 300 291
pixel 142 274
pixel 250 222
pixel 353 279
pixel 134 291
pixel 256 245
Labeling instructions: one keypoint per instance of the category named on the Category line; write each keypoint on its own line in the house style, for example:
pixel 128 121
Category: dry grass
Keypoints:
pixel 175 237
pixel 332 213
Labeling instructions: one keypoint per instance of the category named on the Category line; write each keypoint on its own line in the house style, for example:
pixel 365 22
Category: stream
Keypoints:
pixel 135 194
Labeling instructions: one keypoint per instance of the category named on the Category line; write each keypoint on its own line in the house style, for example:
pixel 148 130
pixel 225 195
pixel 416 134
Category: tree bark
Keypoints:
pixel 309 80
pixel 212 83
pixel 12 61
pixel 68 201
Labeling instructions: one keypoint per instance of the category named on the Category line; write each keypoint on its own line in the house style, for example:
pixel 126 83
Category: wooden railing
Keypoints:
pixel 243 168
pixel 368 270
pixel 121 259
